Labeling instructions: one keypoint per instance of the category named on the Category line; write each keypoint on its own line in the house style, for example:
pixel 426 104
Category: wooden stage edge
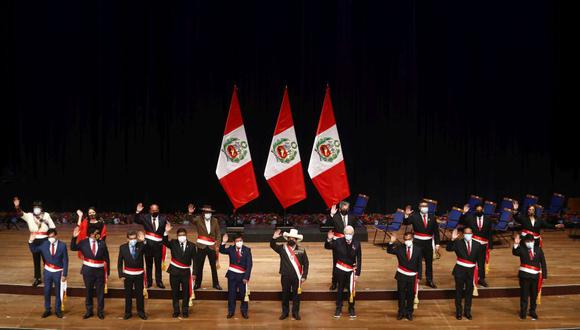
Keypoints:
pixel 497 292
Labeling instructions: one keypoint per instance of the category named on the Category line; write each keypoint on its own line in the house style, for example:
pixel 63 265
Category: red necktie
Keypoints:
pixel 52 249
pixel 408 253
pixel 479 224
pixel 238 255
pixel 94 248
pixel 468 248
pixel 425 220
pixel 531 255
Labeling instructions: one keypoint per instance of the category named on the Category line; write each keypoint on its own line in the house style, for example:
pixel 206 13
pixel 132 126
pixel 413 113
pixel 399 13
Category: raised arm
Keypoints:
pixel 16 201
pixel 392 247
pixel 273 244
pixel 408 215
pixel 516 249
pixel 166 235
pixel 73 243
pixel 139 217
pixel 223 249
pixel 329 243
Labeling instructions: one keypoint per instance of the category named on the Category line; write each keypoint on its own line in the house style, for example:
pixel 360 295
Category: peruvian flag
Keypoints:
pixel 326 167
pixel 284 167
pixel 234 168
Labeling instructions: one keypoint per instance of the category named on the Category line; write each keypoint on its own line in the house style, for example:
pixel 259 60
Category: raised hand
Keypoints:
pixel 190 208
pixel 80 213
pixel 393 238
pixel 277 234
pixel 140 236
pixel 333 209
pixel 140 207
pixel 330 235
pixel 517 239
pixel 16 202
pixel 408 210
pixel 76 231
pixel 168 227
pixel 454 234
pixel 225 238
pixel 465 208
pixel 516 205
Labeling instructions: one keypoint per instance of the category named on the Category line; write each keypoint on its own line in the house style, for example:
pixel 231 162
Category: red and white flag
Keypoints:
pixel 284 167
pixel 326 168
pixel 234 168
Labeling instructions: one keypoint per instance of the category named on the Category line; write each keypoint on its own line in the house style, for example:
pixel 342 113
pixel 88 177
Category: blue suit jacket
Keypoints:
pixel 60 257
pixel 245 260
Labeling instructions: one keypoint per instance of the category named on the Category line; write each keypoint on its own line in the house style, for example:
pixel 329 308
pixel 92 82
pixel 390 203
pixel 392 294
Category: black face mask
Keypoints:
pixel 292 243
pixel 344 212
pixel 155 214
pixel 92 216
pixel 479 213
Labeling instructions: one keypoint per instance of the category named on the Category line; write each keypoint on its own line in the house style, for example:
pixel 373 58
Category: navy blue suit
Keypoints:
pixel 94 278
pixel 236 286
pixel 59 259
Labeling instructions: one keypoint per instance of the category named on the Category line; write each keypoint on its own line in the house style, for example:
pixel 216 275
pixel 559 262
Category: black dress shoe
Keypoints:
pixel 458 316
pixel 283 316
pixel 175 315
pixel 230 315
pixel 337 313
pixel 410 317
pixel 431 284
pixel 59 315
pixel 88 315
pixel 36 282
pixel 160 285
pixel 101 315
pixel 185 315
pixel 483 283
pixel 400 316
pixel 46 314
pixel 142 316
pixel 468 316
pixel 245 315
pixel 217 287
pixel 332 287
pixel 533 315
pixel 522 316
pixel 352 313
pixel 127 316
pixel 296 316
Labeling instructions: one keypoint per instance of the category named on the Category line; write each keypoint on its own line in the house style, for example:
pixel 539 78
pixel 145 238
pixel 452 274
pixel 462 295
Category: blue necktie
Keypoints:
pixel 133 251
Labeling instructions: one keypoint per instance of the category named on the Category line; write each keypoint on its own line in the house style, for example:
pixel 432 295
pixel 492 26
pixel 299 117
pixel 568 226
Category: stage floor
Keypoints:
pixel 497 313
pixel 378 268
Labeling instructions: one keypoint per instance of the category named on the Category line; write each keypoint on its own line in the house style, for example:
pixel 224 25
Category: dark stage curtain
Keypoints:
pixel 108 103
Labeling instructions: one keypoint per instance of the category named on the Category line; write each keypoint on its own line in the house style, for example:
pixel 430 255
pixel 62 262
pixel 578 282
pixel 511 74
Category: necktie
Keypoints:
pixel 52 249
pixel 344 220
pixel 531 255
pixel 425 220
pixel 468 248
pixel 155 223
pixel 94 248
pixel 408 253
pixel 238 255
pixel 183 247
pixel 479 223
pixel 133 251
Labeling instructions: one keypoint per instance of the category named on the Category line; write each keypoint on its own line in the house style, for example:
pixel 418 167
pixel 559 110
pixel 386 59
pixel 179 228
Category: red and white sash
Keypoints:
pixel 153 237
pixel 295 264
pixel 178 264
pixel 422 236
pixel 132 271
pixel 470 264
pixel 480 240
pixel 40 234
pixel 93 263
pixel 406 271
pixel 409 272
pixel 237 269
pixel 465 263
pixel 529 232
pixel 484 241
pixel 344 266
pixel 205 240
pixel 530 269
pixel 52 268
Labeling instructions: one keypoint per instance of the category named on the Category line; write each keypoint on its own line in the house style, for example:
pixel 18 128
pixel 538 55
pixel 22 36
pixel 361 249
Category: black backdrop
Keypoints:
pixel 112 102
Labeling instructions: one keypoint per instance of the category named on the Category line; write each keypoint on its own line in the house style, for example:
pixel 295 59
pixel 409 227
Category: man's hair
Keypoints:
pixel 131 233
pixel 238 236
pixel 344 203
pixel 478 205
pixel 92 208
pixel 51 231
pixel 181 230
pixel 467 227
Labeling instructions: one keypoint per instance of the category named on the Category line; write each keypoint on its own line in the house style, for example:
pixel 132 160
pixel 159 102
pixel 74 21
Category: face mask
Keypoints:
pixel 530 245
pixel 92 216
pixel 155 214
pixel 348 237
pixel 424 210
pixel 467 237
pixel 292 243
pixel 182 239
pixel 207 216
pixel 132 242
pixel 479 213
pixel 344 212
pixel 239 244
pixel 409 243
pixel 36 210
pixel 51 240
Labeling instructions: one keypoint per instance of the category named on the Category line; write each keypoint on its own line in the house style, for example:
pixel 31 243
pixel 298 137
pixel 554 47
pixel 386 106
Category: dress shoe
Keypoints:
pixel 410 317
pixel 160 285
pixel 36 282
pixel 175 315
pixel 533 315
pixel 338 313
pixel 296 316
pixel 88 315
pixel 458 316
pixel 230 315
pixel 101 315
pixel 522 316
pixel 217 287
pixel 185 315
pixel 332 287
pixel 283 316
pixel 245 315
pixel 142 316
pixel 59 315
pixel 483 283
pixel 127 316
pixel 468 316
pixel 46 314
pixel 431 284
pixel 400 316
pixel 351 313
pixel 149 285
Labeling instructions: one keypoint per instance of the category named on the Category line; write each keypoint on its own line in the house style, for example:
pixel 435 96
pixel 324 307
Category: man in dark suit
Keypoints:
pixel 531 224
pixel 55 268
pixel 238 274
pixel 96 267
pixel 130 268
pixel 482 228
pixel 467 252
pixel 426 236
pixel 340 219
pixel 154 226
pixel 181 270
pixel 347 268
pixel 208 233
pixel 408 273
pixel 293 270
pixel 533 271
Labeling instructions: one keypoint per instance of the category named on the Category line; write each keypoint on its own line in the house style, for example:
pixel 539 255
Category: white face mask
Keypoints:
pixel 132 242
pixel 51 240
pixel 182 239
pixel 207 216
pixel 468 237
pixel 530 245
pixel 36 210
pixel 409 243
pixel 348 237
pixel 424 210
pixel 239 244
